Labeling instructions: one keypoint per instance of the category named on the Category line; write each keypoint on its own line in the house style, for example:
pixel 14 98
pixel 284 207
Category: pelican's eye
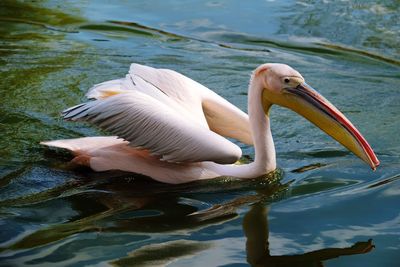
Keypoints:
pixel 287 80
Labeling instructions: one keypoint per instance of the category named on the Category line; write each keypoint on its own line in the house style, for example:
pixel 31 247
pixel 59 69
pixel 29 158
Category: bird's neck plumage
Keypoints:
pixel 260 126
pixel 262 138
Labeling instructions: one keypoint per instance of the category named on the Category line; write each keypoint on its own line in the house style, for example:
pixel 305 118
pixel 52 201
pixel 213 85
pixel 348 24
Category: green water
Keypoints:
pixel 324 205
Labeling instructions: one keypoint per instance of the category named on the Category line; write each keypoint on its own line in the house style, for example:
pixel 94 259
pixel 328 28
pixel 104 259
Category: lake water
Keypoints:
pixel 324 206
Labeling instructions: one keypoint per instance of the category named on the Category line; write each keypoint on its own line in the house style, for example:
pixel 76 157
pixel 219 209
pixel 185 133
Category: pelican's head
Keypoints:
pixel 286 87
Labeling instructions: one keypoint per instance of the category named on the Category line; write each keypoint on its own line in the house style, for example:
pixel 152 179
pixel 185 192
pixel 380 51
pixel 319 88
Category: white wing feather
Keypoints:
pixel 146 122
pixel 205 105
pixel 188 97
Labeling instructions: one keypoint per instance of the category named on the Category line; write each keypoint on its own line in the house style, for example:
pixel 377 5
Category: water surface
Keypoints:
pixel 323 205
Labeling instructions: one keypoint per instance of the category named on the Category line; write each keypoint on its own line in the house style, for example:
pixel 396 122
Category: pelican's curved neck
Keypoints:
pixel 260 126
pixel 262 138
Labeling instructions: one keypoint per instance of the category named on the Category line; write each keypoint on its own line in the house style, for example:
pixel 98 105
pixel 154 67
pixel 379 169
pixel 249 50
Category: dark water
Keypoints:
pixel 334 211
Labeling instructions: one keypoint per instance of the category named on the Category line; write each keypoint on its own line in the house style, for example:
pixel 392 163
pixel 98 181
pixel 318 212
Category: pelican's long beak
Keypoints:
pixel 307 102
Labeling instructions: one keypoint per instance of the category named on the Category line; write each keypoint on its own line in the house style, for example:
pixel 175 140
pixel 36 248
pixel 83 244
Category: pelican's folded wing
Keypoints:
pixel 151 124
pixel 194 100
pixel 222 117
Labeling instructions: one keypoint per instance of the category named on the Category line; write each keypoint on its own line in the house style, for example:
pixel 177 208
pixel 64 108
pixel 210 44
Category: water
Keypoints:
pixel 322 204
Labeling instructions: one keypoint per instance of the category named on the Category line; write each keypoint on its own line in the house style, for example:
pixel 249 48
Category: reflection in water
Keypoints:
pixel 137 204
pixel 148 207
pixel 255 227
pixel 161 254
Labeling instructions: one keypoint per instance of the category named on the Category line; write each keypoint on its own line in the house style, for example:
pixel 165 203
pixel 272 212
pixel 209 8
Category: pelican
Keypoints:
pixel 170 128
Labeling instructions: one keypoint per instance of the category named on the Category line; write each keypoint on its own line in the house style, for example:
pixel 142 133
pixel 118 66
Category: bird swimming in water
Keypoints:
pixel 171 128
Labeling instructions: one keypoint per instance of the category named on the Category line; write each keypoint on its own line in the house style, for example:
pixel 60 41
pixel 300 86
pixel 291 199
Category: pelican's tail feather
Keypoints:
pixel 84 143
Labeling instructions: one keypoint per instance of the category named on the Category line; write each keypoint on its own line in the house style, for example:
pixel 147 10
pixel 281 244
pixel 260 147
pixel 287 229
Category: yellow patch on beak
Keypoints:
pixel 314 107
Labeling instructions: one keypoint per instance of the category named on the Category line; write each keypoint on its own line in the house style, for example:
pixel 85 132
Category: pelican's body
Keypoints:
pixel 170 127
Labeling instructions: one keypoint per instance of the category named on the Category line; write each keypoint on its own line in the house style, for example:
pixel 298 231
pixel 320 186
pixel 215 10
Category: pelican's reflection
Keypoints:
pixel 256 230
pixel 255 227
pixel 143 207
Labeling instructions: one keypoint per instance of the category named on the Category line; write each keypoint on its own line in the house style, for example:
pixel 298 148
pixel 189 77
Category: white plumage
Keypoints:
pixel 146 122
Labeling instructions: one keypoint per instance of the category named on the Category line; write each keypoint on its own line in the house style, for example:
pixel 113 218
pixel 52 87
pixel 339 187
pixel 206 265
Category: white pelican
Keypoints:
pixel 170 128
